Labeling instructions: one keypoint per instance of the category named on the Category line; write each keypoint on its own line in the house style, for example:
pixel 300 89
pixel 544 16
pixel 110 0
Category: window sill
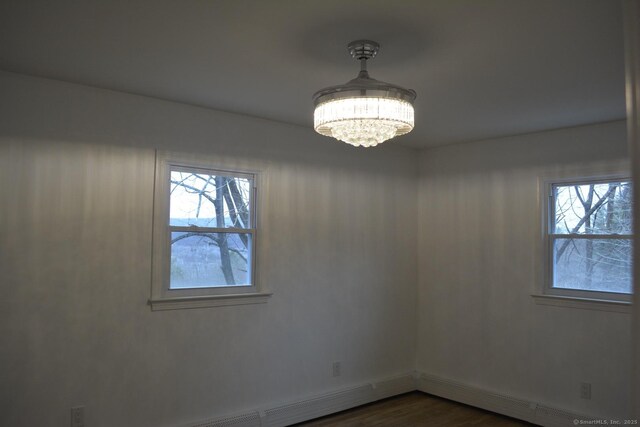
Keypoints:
pixel 208 301
pixel 583 303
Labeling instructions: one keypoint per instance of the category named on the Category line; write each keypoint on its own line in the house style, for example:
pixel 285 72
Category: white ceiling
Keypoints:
pixel 481 68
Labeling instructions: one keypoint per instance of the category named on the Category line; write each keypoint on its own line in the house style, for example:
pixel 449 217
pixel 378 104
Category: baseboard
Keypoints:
pixel 328 403
pixel 316 406
pixel 511 406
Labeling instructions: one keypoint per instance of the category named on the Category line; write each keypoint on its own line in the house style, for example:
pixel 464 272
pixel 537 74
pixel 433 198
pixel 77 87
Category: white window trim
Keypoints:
pixel 164 298
pixel 582 303
pixel 544 293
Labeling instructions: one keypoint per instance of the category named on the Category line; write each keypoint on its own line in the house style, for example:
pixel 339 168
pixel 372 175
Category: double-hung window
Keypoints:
pixel 204 236
pixel 589 239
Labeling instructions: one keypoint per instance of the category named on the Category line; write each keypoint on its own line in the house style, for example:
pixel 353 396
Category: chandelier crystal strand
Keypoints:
pixel 364 112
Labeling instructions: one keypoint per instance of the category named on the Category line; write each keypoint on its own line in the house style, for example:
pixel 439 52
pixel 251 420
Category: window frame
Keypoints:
pixel 162 296
pixel 548 215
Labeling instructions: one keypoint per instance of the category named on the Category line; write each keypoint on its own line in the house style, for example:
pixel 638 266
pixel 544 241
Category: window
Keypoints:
pixel 589 239
pixel 204 237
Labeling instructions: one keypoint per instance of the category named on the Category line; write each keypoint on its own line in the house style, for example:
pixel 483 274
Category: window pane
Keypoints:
pixel 593 264
pixel 209 200
pixel 210 260
pixel 595 208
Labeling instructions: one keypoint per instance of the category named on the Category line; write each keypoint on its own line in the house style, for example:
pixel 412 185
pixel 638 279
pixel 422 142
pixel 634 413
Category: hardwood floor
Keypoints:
pixel 414 409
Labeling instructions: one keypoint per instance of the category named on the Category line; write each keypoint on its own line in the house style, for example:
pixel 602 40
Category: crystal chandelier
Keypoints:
pixel 364 111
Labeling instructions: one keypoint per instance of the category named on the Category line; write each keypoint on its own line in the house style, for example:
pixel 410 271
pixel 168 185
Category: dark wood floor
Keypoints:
pixel 413 410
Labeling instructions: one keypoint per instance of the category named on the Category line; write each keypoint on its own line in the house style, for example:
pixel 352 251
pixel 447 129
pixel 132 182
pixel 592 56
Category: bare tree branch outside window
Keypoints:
pixel 210 220
pixel 591 236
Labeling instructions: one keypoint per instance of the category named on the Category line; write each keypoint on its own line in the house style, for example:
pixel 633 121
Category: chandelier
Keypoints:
pixel 364 112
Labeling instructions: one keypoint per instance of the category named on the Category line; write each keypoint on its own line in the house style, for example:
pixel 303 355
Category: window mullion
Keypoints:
pixel 591 236
pixel 192 229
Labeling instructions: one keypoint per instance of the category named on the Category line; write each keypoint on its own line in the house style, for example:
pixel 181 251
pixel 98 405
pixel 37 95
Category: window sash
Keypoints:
pixel 590 236
pixel 212 290
pixel 250 265
pixel 551 237
pixel 179 167
pixel 581 293
pixel 196 229
pixel 551 198
pixel 251 177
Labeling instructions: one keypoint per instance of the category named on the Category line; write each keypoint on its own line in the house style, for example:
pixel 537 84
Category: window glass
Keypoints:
pixel 209 259
pixel 205 200
pixel 208 215
pixel 593 264
pixel 595 208
pixel 590 237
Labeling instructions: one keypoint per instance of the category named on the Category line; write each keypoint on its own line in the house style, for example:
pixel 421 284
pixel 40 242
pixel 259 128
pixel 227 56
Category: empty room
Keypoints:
pixel 319 213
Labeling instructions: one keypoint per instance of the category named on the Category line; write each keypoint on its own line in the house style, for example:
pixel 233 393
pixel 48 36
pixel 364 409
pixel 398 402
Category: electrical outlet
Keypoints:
pixel 585 391
pixel 336 369
pixel 77 416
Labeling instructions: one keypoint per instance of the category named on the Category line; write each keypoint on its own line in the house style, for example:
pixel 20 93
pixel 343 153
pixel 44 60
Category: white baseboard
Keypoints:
pixel 511 406
pixel 316 406
pixel 339 400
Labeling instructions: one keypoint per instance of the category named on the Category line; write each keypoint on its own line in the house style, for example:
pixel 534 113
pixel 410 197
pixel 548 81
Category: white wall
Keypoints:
pixel 478 255
pixel 338 250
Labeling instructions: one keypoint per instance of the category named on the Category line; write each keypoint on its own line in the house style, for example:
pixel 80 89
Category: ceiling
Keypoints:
pixel 481 69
